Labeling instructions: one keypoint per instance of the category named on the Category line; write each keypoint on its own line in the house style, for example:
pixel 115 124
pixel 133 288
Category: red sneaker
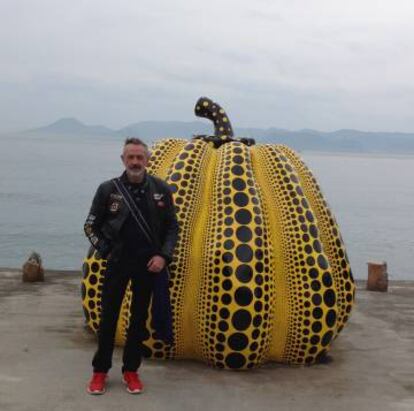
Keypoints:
pixel 133 383
pixel 96 385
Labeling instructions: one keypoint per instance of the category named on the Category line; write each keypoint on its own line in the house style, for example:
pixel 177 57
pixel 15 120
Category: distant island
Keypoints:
pixel 302 140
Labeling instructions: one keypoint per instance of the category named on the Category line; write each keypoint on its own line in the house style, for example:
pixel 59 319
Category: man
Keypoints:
pixel 132 223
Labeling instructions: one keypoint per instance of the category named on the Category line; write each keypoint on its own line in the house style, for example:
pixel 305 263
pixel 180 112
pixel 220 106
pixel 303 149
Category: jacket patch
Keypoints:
pixel 114 206
pixel 115 196
pixel 158 196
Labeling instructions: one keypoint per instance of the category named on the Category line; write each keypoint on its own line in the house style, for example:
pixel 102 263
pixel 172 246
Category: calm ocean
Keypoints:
pixel 47 185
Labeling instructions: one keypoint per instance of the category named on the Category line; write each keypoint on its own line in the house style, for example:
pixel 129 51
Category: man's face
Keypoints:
pixel 135 159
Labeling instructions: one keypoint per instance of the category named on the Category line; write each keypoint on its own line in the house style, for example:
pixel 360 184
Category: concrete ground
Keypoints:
pixel 45 354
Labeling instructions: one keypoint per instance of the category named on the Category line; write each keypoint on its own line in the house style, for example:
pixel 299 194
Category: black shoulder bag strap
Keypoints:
pixel 161 304
pixel 135 211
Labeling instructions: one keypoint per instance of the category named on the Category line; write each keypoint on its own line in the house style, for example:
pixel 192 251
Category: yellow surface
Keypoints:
pixel 260 270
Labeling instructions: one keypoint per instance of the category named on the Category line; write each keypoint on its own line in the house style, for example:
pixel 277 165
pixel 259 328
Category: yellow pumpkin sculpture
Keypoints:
pixel 260 272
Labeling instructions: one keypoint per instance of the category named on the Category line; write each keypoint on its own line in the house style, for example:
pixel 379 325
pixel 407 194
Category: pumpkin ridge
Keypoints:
pixel 185 292
pixel 281 314
pixel 163 154
pixel 302 288
pixel 331 238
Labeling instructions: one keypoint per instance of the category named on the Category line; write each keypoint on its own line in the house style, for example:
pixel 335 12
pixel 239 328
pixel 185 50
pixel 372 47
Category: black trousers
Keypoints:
pixel 116 280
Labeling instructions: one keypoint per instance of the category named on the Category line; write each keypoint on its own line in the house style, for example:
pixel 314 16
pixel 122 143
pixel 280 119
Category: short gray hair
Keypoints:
pixel 138 142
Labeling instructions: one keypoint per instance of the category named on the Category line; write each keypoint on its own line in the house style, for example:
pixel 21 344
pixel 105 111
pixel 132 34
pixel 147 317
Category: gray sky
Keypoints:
pixel 323 64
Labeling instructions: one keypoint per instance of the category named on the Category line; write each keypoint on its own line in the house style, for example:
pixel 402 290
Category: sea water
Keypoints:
pixel 47 184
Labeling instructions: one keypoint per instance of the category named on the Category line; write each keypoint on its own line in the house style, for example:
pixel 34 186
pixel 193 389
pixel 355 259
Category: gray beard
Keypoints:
pixel 136 174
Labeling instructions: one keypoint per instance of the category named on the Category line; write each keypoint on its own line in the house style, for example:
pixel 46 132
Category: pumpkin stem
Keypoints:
pixel 208 109
pixel 223 132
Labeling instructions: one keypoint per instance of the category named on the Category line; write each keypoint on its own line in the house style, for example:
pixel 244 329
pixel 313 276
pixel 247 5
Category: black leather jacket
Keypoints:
pixel 109 212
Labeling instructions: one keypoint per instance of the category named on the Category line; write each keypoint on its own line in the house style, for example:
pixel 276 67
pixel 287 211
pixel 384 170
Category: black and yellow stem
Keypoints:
pixel 208 109
pixel 223 131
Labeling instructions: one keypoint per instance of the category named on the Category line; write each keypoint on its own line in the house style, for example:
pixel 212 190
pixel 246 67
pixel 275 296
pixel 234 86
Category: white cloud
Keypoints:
pixel 294 64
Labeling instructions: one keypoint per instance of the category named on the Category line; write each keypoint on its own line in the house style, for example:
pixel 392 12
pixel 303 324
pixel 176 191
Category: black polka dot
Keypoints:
pixel 313 273
pixel 259 267
pixel 258 306
pixel 317 313
pixel 241 320
pixel 327 280
pixel 330 318
pixel 228 210
pixel 175 176
pixel 322 262
pixel 219 347
pixel 224 313
pixel 244 234
pixel 258 292
pixel 220 338
pixel 310 261
pixel 243 216
pixel 257 320
pixel 316 326
pixel 329 298
pixel 327 337
pixel 223 326
pixel 316 299
pixel 309 360
pixel 238 159
pixel 308 249
pixel 315 339
pixel 85 269
pixel 83 291
pixel 235 360
pixel 243 296
pixel 227 285
pixel 228 232
pixel 226 299
pixel 316 285
pixel 244 273
pixel 244 253
pixel 309 216
pixel 95 267
pixel 317 246
pixel 241 199
pixel 313 231
pixel 227 257
pixel 313 350
pixel 238 184
pixel 237 170
pixel 238 341
pixel 228 221
pixel 93 279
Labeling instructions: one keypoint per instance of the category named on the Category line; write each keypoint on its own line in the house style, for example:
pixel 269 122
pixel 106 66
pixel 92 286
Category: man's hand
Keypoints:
pixel 156 264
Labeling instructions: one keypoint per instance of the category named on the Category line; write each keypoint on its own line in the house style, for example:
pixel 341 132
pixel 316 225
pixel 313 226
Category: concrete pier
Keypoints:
pixel 46 352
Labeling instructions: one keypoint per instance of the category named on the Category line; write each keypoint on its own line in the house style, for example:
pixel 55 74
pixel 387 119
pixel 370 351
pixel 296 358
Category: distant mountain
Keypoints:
pixel 72 126
pixel 306 139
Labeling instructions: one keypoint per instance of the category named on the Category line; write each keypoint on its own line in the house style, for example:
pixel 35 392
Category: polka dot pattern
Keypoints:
pixel 331 238
pixel 260 271
pixel 301 259
pixel 238 290
pixel 208 109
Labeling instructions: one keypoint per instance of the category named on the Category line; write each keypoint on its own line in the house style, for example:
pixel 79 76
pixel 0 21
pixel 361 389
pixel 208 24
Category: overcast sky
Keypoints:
pixel 323 64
